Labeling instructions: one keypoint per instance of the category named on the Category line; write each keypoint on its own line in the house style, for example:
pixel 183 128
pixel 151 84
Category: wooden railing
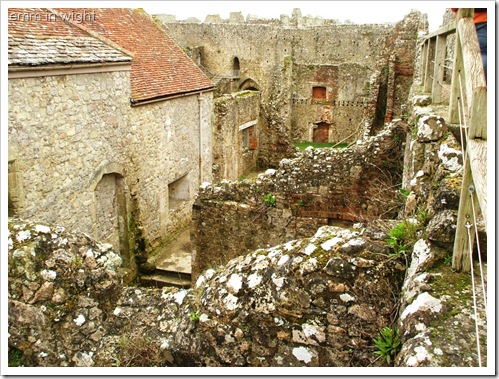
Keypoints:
pixel 467 108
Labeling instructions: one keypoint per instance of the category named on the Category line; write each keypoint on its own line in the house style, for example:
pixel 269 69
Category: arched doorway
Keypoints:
pixel 249 85
pixel 111 223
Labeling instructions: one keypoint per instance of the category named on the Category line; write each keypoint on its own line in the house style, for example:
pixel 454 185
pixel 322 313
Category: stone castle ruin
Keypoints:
pixel 289 80
pixel 318 81
pixel 290 261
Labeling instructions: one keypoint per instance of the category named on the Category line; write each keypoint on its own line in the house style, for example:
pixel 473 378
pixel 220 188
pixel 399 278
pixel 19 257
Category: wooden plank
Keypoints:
pixel 478 114
pixel 465 12
pixel 424 62
pixel 458 64
pixel 429 67
pixel 455 93
pixel 468 69
pixel 444 30
pixel 477 155
pixel 438 69
pixel 472 58
pixel 461 253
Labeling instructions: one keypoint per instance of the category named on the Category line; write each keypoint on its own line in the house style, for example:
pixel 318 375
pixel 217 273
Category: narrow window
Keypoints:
pixel 236 69
pixel 249 138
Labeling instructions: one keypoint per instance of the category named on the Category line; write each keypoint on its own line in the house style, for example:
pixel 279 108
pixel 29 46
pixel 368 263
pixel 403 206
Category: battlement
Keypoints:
pixel 296 20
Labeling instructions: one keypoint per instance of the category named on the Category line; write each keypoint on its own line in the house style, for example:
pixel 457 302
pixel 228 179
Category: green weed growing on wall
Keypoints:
pixel 269 199
pixel 388 344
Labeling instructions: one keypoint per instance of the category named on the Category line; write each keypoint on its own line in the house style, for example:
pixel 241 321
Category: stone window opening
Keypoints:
pixel 319 93
pixel 236 68
pixel 179 192
pixel 249 139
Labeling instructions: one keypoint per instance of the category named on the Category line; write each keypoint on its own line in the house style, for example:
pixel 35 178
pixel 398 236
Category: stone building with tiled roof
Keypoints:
pixel 109 125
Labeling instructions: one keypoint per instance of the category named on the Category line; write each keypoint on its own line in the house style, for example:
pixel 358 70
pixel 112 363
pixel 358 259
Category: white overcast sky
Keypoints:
pixel 361 12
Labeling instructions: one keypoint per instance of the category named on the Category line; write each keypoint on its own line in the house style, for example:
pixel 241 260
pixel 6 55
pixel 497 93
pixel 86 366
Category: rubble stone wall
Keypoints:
pixel 165 141
pixel 344 108
pixel 62 130
pixel 317 187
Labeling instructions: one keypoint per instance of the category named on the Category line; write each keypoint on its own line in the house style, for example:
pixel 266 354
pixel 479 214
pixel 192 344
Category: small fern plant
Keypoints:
pixel 269 199
pixel 388 343
pixel 397 239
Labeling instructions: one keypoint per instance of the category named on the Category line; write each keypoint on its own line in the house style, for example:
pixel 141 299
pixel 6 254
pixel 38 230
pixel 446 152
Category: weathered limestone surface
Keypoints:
pixel 318 301
pixel 62 287
pixel 311 302
pixel 436 315
pixel 436 305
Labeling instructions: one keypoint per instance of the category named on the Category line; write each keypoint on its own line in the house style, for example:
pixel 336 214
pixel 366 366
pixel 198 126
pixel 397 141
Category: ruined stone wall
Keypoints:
pixel 318 187
pixel 235 134
pixel 403 60
pixel 342 110
pixel 298 304
pixel 276 57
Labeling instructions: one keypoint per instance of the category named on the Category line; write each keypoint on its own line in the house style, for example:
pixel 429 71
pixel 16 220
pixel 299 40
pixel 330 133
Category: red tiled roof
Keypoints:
pixel 160 68
pixel 39 37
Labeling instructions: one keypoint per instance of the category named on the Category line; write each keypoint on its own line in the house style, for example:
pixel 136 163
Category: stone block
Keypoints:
pixel 431 128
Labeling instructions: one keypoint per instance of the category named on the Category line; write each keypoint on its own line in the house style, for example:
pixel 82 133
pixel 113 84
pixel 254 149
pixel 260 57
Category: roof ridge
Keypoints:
pixel 93 34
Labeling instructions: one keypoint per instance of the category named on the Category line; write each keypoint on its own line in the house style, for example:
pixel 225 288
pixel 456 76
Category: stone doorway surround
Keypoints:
pixel 109 209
